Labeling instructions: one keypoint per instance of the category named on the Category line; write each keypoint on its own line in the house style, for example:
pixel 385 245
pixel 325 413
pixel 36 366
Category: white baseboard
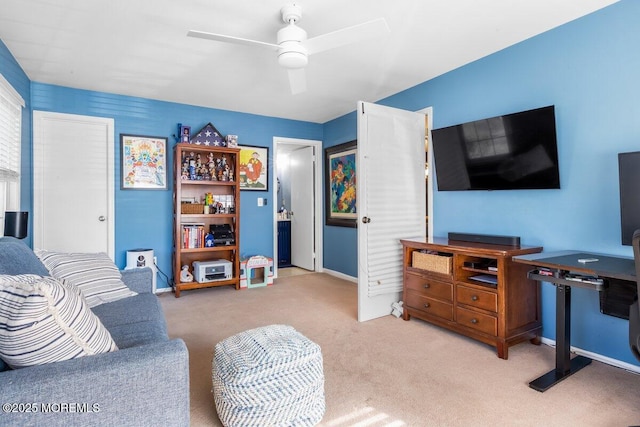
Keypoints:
pixel 162 290
pixel 595 356
pixel 340 275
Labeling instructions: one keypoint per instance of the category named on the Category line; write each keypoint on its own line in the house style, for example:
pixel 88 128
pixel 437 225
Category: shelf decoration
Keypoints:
pixel 208 136
pixel 144 162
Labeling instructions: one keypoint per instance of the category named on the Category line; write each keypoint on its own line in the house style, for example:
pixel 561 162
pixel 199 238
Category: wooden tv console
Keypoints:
pixel 474 289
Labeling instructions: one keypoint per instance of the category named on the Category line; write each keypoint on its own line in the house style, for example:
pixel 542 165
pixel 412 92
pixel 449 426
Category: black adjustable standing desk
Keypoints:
pixel 561 264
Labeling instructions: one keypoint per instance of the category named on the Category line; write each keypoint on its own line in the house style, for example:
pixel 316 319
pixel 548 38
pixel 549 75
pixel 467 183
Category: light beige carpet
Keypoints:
pixel 388 372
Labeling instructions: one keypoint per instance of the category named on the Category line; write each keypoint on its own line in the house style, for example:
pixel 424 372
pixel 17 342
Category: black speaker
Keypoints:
pixel 486 238
pixel 15 224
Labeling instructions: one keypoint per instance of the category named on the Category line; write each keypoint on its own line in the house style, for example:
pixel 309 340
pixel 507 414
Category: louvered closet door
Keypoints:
pixel 391 197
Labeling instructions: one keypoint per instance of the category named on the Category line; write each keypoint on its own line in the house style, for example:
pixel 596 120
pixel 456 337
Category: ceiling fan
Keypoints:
pixel 294 48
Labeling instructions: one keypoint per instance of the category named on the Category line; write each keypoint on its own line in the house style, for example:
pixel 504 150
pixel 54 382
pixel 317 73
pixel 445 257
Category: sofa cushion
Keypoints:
pixel 134 321
pixel 18 258
pixel 43 320
pixel 94 274
pixel 137 334
pixel 138 308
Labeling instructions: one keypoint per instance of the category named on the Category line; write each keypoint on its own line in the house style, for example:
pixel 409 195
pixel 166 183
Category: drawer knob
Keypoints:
pixel 427 305
pixel 474 297
pixel 474 320
pixel 427 286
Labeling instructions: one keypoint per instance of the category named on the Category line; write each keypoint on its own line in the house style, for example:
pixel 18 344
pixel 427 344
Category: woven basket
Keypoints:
pixel 192 208
pixel 268 376
pixel 430 262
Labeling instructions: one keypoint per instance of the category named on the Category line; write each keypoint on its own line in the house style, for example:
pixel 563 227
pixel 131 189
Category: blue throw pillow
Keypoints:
pixel 17 258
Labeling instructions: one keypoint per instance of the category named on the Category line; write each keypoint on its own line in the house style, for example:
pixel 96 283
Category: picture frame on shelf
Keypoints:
pixel 185 134
pixel 143 162
pixel 340 184
pixel 254 168
pixel 232 141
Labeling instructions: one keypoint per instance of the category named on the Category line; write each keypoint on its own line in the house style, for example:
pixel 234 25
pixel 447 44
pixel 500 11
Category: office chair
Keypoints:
pixel 634 309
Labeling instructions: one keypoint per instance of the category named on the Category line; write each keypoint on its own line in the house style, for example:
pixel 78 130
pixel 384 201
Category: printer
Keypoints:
pixel 211 271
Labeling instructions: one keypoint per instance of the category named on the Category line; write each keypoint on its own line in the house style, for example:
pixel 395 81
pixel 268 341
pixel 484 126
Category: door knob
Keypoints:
pixel 366 220
pixel 102 218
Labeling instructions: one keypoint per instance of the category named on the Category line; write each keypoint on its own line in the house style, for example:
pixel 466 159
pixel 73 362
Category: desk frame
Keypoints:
pixel 560 265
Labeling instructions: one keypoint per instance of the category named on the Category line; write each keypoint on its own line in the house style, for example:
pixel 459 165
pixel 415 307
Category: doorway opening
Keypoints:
pixel 429 166
pixel 297 203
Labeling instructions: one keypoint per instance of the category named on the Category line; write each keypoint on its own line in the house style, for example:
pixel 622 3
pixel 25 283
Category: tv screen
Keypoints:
pixel 510 152
pixel 629 171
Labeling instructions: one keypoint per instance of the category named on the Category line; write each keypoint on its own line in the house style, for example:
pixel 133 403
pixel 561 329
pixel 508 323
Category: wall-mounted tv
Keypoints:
pixel 629 172
pixel 511 152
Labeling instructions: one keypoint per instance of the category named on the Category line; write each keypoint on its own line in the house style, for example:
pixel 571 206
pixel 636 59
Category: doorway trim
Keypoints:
pixel 317 199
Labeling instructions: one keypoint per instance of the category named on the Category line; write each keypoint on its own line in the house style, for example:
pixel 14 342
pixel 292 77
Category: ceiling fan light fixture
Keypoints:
pixel 294 48
pixel 293 56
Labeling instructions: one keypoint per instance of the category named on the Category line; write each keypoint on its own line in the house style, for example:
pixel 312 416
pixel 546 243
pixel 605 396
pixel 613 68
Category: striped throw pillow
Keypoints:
pixel 94 274
pixel 43 320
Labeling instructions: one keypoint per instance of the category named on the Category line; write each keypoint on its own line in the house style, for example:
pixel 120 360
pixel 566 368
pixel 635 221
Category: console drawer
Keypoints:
pixel 428 305
pixel 429 287
pixel 478 321
pixel 485 300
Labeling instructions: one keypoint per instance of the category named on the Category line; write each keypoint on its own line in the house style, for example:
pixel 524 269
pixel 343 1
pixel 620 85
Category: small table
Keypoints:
pixel 561 264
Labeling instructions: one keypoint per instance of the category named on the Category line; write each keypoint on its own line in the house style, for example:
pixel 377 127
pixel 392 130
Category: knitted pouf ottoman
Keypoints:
pixel 268 376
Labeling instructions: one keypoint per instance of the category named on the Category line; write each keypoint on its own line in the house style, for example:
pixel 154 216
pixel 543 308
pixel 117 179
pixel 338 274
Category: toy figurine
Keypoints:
pixel 185 276
pixel 208 240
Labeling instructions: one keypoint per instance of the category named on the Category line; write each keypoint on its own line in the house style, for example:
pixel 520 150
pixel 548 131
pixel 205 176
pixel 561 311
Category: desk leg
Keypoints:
pixel 565 366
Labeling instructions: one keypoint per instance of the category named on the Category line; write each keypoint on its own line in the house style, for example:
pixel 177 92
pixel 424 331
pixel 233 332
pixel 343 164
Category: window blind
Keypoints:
pixel 11 104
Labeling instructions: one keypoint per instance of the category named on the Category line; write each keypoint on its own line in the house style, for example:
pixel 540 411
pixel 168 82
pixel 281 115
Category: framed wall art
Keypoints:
pixel 340 184
pixel 144 162
pixel 254 168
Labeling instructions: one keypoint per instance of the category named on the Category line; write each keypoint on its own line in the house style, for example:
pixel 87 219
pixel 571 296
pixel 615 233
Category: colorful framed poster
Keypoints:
pixel 340 184
pixel 254 168
pixel 144 162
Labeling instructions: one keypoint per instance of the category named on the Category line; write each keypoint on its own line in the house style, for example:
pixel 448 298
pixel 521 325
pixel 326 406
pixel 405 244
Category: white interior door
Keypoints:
pixel 302 208
pixel 73 183
pixel 391 201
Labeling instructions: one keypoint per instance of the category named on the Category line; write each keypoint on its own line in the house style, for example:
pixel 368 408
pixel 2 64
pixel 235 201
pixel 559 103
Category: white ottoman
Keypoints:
pixel 268 376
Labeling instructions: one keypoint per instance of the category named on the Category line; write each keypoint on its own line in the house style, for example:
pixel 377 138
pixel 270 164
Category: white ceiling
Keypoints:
pixel 140 47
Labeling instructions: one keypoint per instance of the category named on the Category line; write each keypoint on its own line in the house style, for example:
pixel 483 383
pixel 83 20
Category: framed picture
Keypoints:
pixel 254 168
pixel 340 184
pixel 144 162
pixel 185 134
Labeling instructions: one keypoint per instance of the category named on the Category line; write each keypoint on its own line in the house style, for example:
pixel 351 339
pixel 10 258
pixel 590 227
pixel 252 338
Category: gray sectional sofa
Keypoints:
pixel 144 383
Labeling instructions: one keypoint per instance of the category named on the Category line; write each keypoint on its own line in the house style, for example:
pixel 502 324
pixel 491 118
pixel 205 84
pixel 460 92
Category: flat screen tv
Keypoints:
pixel 511 152
pixel 629 171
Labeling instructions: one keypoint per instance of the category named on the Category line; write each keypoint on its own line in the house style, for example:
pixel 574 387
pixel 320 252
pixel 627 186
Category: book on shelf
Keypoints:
pixel 192 235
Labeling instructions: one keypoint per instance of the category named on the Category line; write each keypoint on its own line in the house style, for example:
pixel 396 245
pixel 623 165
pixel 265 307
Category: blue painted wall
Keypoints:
pixel 341 243
pixel 588 69
pixel 144 218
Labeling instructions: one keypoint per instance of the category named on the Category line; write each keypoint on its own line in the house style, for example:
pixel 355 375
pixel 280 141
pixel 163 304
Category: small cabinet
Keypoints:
pixel 472 288
pixel 284 243
pixel 206 216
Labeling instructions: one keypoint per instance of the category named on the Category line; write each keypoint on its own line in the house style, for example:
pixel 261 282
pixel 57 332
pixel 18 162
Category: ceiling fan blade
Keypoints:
pixel 356 33
pixel 230 39
pixel 297 80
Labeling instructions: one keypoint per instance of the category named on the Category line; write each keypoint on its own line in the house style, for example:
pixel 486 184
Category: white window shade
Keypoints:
pixel 11 104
